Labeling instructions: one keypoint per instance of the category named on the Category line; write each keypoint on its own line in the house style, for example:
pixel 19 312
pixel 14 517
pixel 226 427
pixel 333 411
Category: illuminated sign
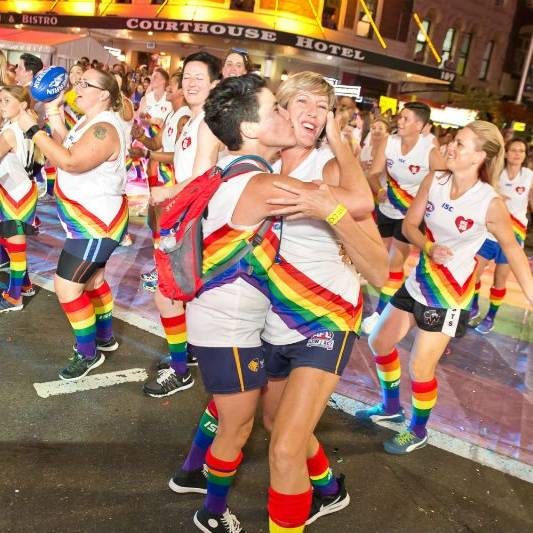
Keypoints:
pixel 217 29
pixel 387 103
pixel 519 126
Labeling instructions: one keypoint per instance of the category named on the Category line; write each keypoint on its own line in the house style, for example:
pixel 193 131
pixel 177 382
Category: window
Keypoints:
pixel 447 47
pixel 462 56
pixel 364 29
pixel 330 14
pixel 242 5
pixel 421 43
pixel 485 62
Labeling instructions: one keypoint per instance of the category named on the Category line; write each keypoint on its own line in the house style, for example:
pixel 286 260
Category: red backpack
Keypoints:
pixel 180 254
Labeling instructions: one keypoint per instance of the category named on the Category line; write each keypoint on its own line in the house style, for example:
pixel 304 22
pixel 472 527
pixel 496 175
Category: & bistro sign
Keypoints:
pixel 218 29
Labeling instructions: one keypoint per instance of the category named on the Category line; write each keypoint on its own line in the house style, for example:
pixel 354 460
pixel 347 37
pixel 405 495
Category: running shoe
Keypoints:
pixel 377 413
pixel 164 362
pixel 405 442
pixel 217 523
pixel 149 286
pixel 27 291
pixel 167 383
pixel 109 345
pixel 323 505
pixel 149 276
pixel 80 366
pixel 126 240
pixel 6 305
pixel 185 482
pixel 369 323
pixel 485 326
pixel 474 313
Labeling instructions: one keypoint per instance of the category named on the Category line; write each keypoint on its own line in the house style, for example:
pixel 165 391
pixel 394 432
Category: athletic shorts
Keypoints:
pixel 329 351
pixel 390 227
pixel 451 322
pixel 81 258
pixel 229 370
pixel 10 228
pixel 492 251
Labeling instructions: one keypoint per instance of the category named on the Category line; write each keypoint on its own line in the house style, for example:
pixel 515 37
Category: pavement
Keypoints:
pixel 99 460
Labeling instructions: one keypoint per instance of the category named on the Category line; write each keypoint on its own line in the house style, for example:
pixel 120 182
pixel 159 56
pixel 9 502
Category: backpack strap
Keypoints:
pixel 240 159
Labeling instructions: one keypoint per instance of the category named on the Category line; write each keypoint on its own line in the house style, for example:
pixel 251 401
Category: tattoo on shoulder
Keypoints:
pixel 100 132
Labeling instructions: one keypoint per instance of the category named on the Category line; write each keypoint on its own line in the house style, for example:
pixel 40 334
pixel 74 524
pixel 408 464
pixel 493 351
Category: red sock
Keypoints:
pixel 289 510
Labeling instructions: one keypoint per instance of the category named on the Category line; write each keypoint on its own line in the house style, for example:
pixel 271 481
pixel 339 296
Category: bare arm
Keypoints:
pixel 377 169
pixel 7 142
pixel 436 160
pixel 499 224
pixel 152 143
pixel 360 238
pixel 210 147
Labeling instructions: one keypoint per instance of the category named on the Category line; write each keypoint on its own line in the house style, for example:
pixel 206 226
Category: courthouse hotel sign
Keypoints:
pixel 217 29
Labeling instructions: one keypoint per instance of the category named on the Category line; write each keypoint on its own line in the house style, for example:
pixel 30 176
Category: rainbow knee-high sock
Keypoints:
pixel 102 300
pixel 204 436
pixel 176 334
pixel 320 474
pixel 287 513
pixel 80 314
pixel 389 289
pixel 220 475
pixel 496 299
pixel 389 373
pixel 424 399
pixel 17 270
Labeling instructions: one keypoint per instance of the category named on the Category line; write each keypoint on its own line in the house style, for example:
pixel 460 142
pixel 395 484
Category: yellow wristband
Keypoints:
pixel 427 247
pixel 336 214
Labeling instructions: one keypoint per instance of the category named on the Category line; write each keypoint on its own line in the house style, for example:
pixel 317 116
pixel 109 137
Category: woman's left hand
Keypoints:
pixel 304 203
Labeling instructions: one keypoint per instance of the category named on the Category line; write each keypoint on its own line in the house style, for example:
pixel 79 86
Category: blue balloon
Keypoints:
pixel 48 83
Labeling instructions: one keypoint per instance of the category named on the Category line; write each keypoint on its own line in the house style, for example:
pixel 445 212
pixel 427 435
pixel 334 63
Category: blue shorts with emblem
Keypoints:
pixel 229 370
pixel 329 351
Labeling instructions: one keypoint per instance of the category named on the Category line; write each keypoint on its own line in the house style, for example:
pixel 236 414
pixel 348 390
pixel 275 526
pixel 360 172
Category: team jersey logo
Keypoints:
pixel 324 339
pixel 414 169
pixel 520 190
pixel 170 131
pixel 463 224
pixel 430 207
pixel 187 141
pixel 390 162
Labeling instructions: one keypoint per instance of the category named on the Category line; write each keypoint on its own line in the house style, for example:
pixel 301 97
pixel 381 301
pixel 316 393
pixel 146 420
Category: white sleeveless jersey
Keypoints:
pixel 91 204
pixel 14 177
pixel 157 109
pixel 312 290
pixel 516 196
pixel 185 149
pixel 405 173
pixel 229 313
pixel 460 225
pixel 170 127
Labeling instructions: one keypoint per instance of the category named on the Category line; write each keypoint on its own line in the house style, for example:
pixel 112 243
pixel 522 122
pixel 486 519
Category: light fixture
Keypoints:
pixel 150 32
pixel 284 75
pixel 267 67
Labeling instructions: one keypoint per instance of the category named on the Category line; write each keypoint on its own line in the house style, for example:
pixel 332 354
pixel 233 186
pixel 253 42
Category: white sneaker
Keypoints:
pixel 369 323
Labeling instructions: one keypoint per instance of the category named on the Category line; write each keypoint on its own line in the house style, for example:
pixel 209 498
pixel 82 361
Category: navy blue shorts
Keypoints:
pixel 492 251
pixel 329 351
pixel 229 370
pixel 390 227
pixel 81 258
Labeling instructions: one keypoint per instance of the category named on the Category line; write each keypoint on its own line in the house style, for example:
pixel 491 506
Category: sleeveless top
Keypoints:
pixel 185 149
pixel 460 225
pixel 92 204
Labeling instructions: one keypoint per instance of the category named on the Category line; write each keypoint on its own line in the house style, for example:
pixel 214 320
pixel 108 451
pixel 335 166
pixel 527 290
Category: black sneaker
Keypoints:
pixel 167 383
pixel 217 523
pixel 109 345
pixel 323 505
pixel 164 362
pixel 185 482
pixel 80 366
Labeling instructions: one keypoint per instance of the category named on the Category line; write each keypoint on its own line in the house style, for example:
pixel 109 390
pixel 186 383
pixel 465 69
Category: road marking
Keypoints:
pixel 96 381
pixel 454 445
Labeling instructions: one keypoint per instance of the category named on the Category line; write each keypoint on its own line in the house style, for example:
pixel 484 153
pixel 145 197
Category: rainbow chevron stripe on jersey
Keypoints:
pixel 458 224
pixel 398 197
pixel 519 229
pixel 23 209
pixel 82 224
pixel 166 174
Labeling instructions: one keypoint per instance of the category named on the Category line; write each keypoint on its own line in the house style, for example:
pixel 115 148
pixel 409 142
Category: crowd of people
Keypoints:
pixel 318 197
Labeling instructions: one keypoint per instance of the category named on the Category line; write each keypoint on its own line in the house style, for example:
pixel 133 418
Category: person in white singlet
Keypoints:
pixel 18 196
pixel 92 208
pixel 154 106
pixel 516 187
pixel 406 157
pixel 200 74
pixel 459 208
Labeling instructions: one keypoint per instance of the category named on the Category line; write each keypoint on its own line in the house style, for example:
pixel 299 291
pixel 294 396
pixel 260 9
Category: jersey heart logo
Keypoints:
pixel 463 224
pixel 414 169
pixel 186 143
pixel 170 131
pixel 520 190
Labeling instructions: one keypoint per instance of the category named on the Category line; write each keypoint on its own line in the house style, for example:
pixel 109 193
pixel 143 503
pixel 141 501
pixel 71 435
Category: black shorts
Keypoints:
pixel 81 258
pixel 229 370
pixel 329 351
pixel 390 227
pixel 451 322
pixel 10 228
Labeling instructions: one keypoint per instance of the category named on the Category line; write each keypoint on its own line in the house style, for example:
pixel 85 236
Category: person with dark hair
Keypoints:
pixel 27 68
pixel 516 187
pixel 92 209
pixel 459 208
pixel 236 63
pixel 407 157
